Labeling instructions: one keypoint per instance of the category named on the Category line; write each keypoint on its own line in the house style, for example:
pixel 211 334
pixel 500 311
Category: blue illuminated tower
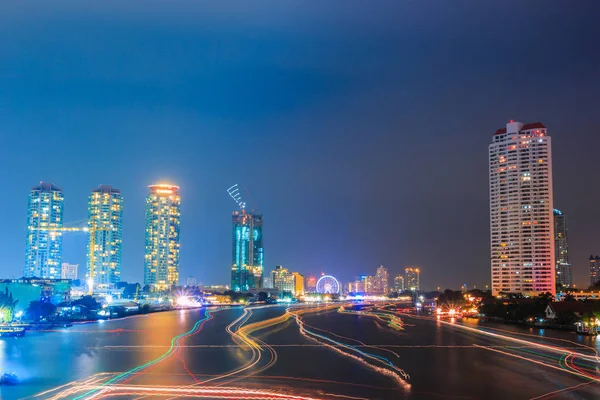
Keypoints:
pixel 247 251
pixel 43 245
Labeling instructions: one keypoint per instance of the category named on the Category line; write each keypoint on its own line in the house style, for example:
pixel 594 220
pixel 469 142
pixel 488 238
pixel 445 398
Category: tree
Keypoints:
pixel 130 290
pixel 89 302
pixel 40 310
pixel 569 297
pixel 7 306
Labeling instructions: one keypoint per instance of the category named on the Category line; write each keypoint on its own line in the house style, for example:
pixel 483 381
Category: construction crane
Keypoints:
pixel 235 194
pixel 90 228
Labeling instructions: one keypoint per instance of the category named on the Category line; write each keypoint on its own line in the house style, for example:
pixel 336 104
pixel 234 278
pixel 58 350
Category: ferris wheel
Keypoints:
pixel 327 284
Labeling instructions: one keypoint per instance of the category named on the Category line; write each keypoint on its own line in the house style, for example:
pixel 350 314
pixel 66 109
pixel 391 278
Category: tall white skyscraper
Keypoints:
pixel 521 212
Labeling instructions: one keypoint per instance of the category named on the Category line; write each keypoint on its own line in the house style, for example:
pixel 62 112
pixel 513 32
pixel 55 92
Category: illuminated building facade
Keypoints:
pixel 283 280
pixel 398 284
pixel 69 271
pixel 521 210
pixel 43 247
pixel 594 270
pixel 412 279
pixel 105 222
pixel 298 284
pixel 311 283
pixel 564 274
pixel 163 218
pixel 248 253
pixel 382 280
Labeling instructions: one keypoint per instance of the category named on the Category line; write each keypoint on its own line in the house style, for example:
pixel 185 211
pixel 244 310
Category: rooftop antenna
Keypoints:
pixel 235 194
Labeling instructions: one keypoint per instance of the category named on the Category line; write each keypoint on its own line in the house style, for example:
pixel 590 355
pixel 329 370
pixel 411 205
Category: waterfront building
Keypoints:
pixel 594 270
pixel 248 252
pixel 298 284
pixel 26 290
pixel 521 210
pixel 283 280
pixel 412 279
pixel 399 284
pixel 105 228
pixel 69 271
pixel 43 245
pixel 382 281
pixel 311 283
pixel 564 274
pixel 163 219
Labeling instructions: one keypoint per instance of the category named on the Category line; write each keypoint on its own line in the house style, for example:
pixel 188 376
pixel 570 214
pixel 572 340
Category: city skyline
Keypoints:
pixel 330 129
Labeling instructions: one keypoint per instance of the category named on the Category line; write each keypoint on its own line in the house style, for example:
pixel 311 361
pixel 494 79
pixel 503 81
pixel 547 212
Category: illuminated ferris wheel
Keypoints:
pixel 327 284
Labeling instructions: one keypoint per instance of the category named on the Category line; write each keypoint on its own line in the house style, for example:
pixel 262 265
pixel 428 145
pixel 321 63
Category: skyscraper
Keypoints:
pixel 561 250
pixel 594 270
pixel 43 246
pixel 105 221
pixel 399 284
pixel 163 217
pixel 383 280
pixel 248 253
pixel 521 212
pixel 413 279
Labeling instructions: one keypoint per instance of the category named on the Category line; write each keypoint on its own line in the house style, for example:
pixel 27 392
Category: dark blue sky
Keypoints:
pixel 360 129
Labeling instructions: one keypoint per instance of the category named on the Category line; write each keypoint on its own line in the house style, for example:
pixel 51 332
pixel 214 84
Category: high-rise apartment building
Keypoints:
pixel 413 279
pixel 283 280
pixel 43 245
pixel 105 222
pixel 163 218
pixel 383 280
pixel 563 271
pixel 399 284
pixel 594 270
pixel 69 271
pixel 521 210
pixel 248 252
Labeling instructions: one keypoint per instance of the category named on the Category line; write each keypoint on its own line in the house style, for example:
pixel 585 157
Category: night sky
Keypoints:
pixel 359 128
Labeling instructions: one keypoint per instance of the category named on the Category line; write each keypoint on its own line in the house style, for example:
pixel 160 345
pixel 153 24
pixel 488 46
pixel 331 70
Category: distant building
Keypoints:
pixel 298 284
pixel 311 283
pixel 69 271
pixel 248 253
pixel 368 283
pixel 358 286
pixel 105 224
pixel 267 282
pixel 564 274
pixel 383 280
pixel 413 278
pixel 190 281
pixel 521 210
pixel 594 270
pixel 283 280
pixel 399 284
pixel 163 218
pixel 43 246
